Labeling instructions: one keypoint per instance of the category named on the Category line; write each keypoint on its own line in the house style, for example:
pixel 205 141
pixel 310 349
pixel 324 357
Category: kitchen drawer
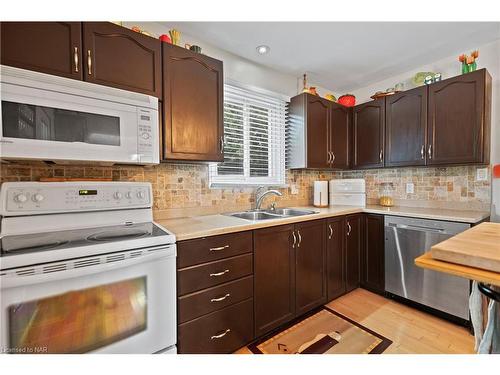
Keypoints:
pixel 205 275
pixel 196 304
pixel 223 331
pixel 208 249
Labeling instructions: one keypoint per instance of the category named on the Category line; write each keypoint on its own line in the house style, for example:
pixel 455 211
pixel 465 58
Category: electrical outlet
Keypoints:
pixel 410 188
pixel 482 174
pixel 294 190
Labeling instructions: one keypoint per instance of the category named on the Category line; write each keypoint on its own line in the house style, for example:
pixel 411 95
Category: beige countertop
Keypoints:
pixel 209 225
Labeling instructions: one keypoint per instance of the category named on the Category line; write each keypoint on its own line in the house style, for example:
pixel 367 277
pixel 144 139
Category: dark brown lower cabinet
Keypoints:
pixel 310 262
pixel 353 242
pixel 222 331
pixel 372 262
pixel 274 275
pixel 335 258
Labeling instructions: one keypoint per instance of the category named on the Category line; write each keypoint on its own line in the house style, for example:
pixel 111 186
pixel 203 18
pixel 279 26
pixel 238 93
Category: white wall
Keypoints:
pixel 489 57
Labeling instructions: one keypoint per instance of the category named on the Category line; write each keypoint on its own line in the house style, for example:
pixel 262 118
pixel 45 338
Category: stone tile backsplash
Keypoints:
pixel 182 189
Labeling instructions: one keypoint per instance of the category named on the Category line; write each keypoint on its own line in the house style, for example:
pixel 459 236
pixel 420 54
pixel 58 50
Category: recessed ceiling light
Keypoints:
pixel 263 49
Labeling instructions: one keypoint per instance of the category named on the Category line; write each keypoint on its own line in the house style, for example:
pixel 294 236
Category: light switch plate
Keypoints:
pixel 294 190
pixel 410 188
pixel 482 174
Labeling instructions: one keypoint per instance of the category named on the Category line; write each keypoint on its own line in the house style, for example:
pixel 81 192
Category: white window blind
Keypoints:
pixel 254 138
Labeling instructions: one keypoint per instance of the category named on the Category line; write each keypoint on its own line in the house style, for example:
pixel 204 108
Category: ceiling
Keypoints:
pixel 344 55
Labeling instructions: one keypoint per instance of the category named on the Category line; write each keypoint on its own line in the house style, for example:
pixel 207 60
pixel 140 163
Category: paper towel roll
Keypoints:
pixel 320 193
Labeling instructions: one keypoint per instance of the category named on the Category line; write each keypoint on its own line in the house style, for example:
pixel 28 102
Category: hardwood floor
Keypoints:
pixel 412 331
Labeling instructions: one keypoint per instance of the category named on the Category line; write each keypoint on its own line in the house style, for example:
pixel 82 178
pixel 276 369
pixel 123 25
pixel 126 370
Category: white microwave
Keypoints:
pixel 63 120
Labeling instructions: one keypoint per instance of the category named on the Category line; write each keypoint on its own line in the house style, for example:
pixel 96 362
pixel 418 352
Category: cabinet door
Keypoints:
pixel 118 57
pixel 47 47
pixel 405 126
pixel 310 261
pixel 318 112
pixel 353 243
pixel 372 262
pixel 368 134
pixel 340 135
pixel 456 119
pixel 193 105
pixel 335 258
pixel 274 277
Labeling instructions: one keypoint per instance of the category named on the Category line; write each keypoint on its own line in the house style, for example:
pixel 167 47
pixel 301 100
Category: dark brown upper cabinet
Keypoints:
pixel 340 136
pixel 319 133
pixel 274 277
pixel 372 254
pixel 193 124
pixel 405 128
pixel 310 273
pixel 353 229
pixel 46 47
pixel 335 258
pixel 459 120
pixel 118 57
pixel 368 134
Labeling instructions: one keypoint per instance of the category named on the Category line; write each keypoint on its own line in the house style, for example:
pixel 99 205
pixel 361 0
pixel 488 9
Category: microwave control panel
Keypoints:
pixel 53 197
pixel 146 135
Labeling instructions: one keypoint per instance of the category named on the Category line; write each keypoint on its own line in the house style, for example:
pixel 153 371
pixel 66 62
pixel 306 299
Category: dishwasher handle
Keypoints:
pixel 417 228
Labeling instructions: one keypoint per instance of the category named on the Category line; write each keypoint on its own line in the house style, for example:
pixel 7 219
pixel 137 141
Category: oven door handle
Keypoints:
pixel 13 278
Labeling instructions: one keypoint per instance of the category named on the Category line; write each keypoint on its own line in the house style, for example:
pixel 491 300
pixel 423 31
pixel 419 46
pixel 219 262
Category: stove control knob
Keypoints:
pixel 128 195
pixel 140 194
pixel 117 195
pixel 38 198
pixel 20 198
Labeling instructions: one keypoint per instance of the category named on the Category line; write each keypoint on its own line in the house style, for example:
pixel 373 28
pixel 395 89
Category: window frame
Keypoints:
pixel 276 160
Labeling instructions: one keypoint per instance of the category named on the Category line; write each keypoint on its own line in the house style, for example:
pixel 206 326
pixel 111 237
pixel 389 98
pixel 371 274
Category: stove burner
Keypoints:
pixel 111 235
pixel 48 246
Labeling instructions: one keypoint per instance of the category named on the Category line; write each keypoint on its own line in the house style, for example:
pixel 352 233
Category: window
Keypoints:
pixel 254 138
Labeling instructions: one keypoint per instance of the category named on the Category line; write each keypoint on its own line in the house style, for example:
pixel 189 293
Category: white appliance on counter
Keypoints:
pixel 349 191
pixel 83 268
pixel 45 117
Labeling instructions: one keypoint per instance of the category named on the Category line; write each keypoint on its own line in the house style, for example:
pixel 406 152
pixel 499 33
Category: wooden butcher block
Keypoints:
pixel 477 247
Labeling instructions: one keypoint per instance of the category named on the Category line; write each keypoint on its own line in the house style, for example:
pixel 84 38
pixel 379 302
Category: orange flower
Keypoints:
pixel 461 58
pixel 475 54
pixel 470 59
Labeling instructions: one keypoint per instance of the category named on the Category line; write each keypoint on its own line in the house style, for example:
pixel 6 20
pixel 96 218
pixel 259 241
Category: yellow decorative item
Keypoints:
pixel 331 97
pixel 175 35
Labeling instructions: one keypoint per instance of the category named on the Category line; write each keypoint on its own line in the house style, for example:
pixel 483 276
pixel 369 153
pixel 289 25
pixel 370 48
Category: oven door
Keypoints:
pixel 58 126
pixel 121 302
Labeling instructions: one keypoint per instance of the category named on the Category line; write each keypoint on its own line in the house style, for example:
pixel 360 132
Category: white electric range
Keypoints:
pixel 83 268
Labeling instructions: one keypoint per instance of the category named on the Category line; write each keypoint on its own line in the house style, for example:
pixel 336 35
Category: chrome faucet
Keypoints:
pixel 260 196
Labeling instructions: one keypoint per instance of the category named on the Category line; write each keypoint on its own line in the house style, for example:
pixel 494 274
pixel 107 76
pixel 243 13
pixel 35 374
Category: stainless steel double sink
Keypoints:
pixel 278 213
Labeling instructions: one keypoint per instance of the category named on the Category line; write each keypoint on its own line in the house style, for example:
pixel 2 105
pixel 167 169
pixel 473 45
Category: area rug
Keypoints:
pixel 324 332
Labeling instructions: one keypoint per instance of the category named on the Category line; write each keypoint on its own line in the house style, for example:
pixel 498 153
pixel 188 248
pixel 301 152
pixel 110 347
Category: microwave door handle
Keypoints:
pixel 39 278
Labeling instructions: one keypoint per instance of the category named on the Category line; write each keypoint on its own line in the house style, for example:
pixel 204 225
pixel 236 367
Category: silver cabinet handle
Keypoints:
pixel 220 298
pixel 218 248
pixel 89 62
pixel 75 57
pixel 429 152
pixel 381 156
pixel 331 231
pixel 221 145
pixel 300 238
pixel 422 152
pixel 221 335
pixel 219 273
pixel 349 228
pixel 333 157
pixel 294 239
pixel 328 157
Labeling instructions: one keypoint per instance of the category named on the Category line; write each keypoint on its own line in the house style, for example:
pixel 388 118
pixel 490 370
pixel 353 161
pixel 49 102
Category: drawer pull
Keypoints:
pixel 219 248
pixel 219 273
pixel 220 298
pixel 221 335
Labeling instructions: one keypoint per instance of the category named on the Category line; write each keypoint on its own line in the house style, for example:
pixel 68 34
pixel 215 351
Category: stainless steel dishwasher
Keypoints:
pixel 405 240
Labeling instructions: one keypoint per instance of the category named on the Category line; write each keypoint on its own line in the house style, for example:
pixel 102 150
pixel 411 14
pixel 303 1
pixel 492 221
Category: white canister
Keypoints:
pixel 320 193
